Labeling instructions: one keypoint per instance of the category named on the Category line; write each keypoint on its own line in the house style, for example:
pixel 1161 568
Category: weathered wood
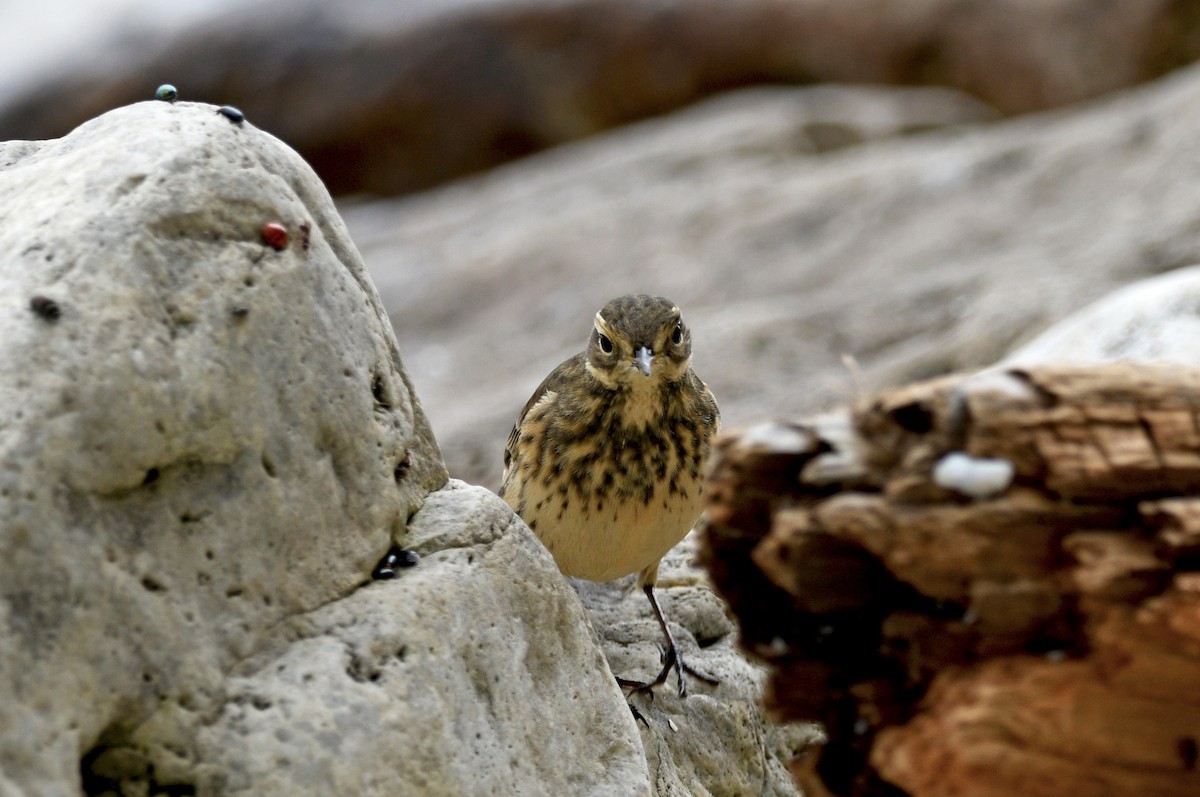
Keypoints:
pixel 981 585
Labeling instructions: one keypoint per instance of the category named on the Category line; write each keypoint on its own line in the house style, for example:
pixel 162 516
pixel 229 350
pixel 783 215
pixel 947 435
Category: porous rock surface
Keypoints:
pixel 206 443
pixel 714 741
pixel 474 673
pixel 199 435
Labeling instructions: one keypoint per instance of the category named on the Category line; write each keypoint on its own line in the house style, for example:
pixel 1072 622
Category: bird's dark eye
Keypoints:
pixel 677 335
pixel 605 344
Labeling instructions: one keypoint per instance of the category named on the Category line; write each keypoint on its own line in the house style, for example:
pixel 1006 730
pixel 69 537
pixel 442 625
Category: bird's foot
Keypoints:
pixel 638 687
pixel 700 676
pixel 671 661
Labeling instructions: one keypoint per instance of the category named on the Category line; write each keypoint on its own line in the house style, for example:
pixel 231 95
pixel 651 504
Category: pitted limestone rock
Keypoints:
pixel 206 443
pixel 474 673
pixel 200 442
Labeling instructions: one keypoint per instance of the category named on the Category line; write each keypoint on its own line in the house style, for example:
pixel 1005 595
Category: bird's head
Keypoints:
pixel 639 337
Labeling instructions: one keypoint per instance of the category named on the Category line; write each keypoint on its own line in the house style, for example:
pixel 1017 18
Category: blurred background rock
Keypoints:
pixel 840 194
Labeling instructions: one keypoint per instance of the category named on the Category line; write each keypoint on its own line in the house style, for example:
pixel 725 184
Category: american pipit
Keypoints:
pixel 605 461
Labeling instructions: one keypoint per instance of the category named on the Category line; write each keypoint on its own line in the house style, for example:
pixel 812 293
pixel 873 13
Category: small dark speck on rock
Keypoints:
pixel 46 308
pixel 232 114
pixel 396 557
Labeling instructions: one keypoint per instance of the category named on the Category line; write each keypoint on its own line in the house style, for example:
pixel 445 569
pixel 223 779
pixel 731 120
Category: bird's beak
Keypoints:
pixel 643 357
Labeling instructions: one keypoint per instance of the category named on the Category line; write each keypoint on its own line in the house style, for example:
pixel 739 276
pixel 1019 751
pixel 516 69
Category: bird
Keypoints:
pixel 606 461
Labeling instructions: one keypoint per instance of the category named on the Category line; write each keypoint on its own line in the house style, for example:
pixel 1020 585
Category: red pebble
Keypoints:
pixel 275 235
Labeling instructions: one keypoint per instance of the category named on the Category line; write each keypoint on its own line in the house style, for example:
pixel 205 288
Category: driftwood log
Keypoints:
pixel 984 585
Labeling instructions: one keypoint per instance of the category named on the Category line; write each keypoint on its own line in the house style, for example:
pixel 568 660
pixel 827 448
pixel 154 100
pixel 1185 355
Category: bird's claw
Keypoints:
pixel 669 656
pixel 702 676
pixel 671 661
pixel 638 687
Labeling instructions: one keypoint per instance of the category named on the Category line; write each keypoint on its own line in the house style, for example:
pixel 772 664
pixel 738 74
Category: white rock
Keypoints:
pixel 1152 320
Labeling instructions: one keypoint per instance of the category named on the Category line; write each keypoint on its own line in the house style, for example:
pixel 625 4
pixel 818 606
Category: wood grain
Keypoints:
pixel 1042 640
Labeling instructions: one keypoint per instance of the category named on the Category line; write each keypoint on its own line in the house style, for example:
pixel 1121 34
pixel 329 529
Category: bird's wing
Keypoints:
pixel 549 385
pixel 707 401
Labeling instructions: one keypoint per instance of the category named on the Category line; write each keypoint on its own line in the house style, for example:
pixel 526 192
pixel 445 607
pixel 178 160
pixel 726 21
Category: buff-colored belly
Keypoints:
pixel 610 539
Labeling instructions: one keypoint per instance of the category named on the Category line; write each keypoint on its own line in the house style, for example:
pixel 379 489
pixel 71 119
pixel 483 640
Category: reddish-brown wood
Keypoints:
pixel 969 633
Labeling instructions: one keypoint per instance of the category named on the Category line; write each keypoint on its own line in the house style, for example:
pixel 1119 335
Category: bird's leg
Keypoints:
pixel 671 656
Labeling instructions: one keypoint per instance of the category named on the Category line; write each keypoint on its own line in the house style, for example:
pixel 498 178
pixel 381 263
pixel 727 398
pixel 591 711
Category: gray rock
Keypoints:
pixel 200 436
pixel 716 742
pixel 474 673
pixel 912 257
pixel 206 443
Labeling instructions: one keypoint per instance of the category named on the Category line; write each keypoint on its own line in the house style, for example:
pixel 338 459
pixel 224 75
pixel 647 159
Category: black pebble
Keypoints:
pixel 46 308
pixel 232 114
pixel 396 557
